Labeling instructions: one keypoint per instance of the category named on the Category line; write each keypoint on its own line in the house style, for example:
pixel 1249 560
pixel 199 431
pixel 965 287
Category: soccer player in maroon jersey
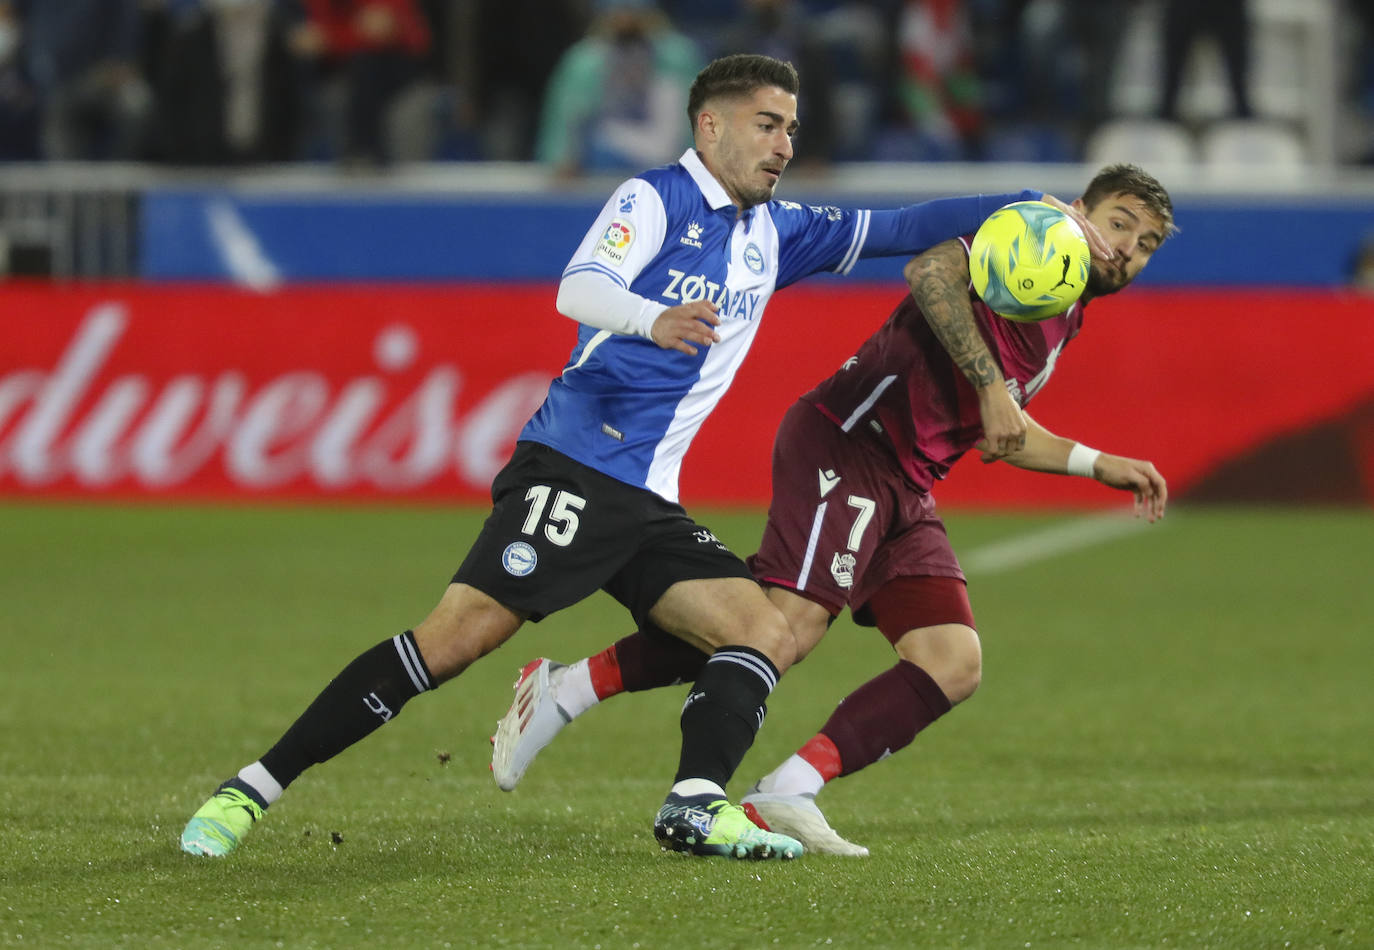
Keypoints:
pixel 853 523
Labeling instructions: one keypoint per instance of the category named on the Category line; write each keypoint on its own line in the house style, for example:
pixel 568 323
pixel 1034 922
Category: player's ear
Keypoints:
pixel 707 125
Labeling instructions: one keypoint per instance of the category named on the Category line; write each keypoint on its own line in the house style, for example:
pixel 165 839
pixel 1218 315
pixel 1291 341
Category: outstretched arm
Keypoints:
pixel 590 298
pixel 1046 452
pixel 939 282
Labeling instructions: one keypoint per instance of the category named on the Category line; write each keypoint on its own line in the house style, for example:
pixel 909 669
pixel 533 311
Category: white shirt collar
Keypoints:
pixel 711 189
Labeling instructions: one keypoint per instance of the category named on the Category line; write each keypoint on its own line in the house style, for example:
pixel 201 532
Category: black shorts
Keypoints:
pixel 559 531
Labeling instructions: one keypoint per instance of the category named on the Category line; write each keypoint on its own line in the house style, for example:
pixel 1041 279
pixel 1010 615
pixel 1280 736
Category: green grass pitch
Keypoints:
pixel 1171 748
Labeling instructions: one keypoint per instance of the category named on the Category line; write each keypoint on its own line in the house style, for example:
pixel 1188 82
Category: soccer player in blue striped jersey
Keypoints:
pixel 668 286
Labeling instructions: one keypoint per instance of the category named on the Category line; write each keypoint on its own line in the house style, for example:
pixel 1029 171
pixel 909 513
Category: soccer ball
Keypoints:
pixel 1029 261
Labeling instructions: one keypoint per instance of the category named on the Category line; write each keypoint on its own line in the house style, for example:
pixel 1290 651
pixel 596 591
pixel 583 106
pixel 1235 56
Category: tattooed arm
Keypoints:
pixel 939 283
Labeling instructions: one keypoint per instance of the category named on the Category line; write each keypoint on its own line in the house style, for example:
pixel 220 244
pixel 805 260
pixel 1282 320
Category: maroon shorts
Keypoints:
pixel 843 521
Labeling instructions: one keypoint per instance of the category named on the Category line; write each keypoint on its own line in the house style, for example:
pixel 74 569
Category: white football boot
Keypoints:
pixel 798 817
pixel 532 721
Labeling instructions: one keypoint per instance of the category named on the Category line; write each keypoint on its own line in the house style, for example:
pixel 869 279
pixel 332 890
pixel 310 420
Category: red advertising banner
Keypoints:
pixel 1235 396
pixel 386 392
pixel 215 393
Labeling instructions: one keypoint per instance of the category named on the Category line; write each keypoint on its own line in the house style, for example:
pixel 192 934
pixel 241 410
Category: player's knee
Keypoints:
pixel 950 654
pixel 806 620
pixel 772 637
pixel 782 645
pixel 964 671
pixel 806 634
pixel 724 613
pixel 463 628
pixel 967 679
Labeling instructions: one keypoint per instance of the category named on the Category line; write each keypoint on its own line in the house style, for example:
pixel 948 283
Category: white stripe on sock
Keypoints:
pixel 411 661
pixel 262 781
pixel 689 787
pixel 761 669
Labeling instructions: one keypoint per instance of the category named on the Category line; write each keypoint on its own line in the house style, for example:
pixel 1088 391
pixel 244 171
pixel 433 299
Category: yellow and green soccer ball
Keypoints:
pixel 1029 261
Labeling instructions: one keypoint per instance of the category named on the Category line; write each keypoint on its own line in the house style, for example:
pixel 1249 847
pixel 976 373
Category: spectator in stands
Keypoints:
pixel 18 105
pixel 224 82
pixel 616 99
pixel 82 57
pixel 781 29
pixel 1227 22
pixel 499 74
pixel 1361 91
pixel 370 50
pixel 1099 27
pixel 1051 65
pixel 935 81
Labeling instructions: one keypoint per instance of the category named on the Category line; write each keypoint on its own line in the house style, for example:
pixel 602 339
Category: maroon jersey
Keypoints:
pixel 902 389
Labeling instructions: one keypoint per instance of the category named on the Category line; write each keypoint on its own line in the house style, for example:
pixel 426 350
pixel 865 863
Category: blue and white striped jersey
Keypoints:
pixel 628 408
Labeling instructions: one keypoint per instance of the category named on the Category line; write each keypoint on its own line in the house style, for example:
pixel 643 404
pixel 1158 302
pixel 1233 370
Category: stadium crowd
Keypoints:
pixel 584 85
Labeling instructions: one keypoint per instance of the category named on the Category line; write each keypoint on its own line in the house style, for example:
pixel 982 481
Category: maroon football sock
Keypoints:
pixel 640 662
pixel 884 715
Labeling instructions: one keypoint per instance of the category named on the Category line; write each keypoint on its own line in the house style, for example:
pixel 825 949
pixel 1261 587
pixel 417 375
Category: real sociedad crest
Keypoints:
pixel 842 569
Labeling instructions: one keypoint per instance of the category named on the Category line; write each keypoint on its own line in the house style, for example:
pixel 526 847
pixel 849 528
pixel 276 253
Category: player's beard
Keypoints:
pixel 761 194
pixel 752 187
pixel 1103 282
pixel 756 193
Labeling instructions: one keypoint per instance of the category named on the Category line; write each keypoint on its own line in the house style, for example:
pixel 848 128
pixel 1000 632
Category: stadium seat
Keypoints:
pixel 1253 145
pixel 1147 142
pixel 1028 142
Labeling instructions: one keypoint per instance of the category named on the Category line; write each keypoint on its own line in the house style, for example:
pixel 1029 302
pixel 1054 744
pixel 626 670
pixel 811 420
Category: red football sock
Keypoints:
pixel 822 755
pixel 604 668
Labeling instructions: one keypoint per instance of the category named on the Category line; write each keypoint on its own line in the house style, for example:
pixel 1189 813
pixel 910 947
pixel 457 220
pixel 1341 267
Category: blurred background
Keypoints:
pixel 277 284
pixel 308 248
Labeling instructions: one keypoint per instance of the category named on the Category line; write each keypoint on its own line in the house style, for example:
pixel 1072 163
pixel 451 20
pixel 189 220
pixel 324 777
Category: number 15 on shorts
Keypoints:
pixel 561 522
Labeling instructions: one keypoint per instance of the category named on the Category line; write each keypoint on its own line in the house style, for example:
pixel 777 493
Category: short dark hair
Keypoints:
pixel 1124 179
pixel 739 75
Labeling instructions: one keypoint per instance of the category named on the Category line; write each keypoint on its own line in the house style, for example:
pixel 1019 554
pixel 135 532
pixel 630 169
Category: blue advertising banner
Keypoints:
pixel 270 239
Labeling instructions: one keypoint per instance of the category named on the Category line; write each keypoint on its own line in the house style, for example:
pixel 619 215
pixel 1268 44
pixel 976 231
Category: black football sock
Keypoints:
pixel 368 693
pixel 723 712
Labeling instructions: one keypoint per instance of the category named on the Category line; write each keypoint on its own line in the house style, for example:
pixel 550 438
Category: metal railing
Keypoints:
pixel 82 221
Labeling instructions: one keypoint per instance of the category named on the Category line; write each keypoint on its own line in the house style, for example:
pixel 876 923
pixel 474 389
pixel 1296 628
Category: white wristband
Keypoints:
pixel 1082 459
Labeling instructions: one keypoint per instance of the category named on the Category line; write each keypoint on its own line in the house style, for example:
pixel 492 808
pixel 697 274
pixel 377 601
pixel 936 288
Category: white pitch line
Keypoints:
pixel 1048 542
